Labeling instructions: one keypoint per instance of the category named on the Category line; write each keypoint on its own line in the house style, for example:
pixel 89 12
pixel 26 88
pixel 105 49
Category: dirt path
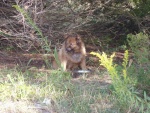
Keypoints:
pixel 12 59
pixel 23 61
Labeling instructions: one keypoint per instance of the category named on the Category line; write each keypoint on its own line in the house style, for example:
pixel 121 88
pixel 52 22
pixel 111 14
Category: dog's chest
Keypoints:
pixel 77 56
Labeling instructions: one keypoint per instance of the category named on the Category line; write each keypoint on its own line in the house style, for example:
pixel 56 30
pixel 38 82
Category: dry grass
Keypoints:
pixel 33 92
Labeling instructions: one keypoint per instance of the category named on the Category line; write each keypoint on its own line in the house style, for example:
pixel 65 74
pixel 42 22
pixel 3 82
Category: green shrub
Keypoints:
pixel 142 8
pixel 140 68
pixel 124 85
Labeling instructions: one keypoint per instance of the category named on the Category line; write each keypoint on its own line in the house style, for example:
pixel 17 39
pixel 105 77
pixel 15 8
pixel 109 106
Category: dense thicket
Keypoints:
pixel 91 18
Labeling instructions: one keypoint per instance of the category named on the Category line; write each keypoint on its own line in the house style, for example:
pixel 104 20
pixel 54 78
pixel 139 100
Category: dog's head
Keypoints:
pixel 73 43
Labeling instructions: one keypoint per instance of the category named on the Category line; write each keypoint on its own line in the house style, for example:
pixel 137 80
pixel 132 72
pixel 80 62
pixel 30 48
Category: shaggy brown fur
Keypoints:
pixel 72 53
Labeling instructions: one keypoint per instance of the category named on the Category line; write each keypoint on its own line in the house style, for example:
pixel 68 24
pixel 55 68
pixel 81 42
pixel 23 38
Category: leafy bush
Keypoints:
pixel 139 44
pixel 142 8
pixel 124 85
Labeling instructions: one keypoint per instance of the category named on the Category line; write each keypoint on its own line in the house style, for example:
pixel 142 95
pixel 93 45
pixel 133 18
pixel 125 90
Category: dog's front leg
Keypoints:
pixel 64 65
pixel 83 64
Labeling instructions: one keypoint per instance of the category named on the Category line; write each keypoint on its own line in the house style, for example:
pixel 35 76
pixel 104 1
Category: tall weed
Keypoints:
pixel 123 84
pixel 46 45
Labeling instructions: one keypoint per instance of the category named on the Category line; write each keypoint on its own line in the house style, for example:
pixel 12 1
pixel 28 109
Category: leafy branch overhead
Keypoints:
pixel 51 19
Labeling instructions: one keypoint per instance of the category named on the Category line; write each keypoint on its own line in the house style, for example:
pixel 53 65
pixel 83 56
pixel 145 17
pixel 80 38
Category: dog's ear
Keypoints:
pixel 78 37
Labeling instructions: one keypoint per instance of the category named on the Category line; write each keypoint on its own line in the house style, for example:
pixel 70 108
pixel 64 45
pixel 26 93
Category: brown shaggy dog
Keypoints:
pixel 72 53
